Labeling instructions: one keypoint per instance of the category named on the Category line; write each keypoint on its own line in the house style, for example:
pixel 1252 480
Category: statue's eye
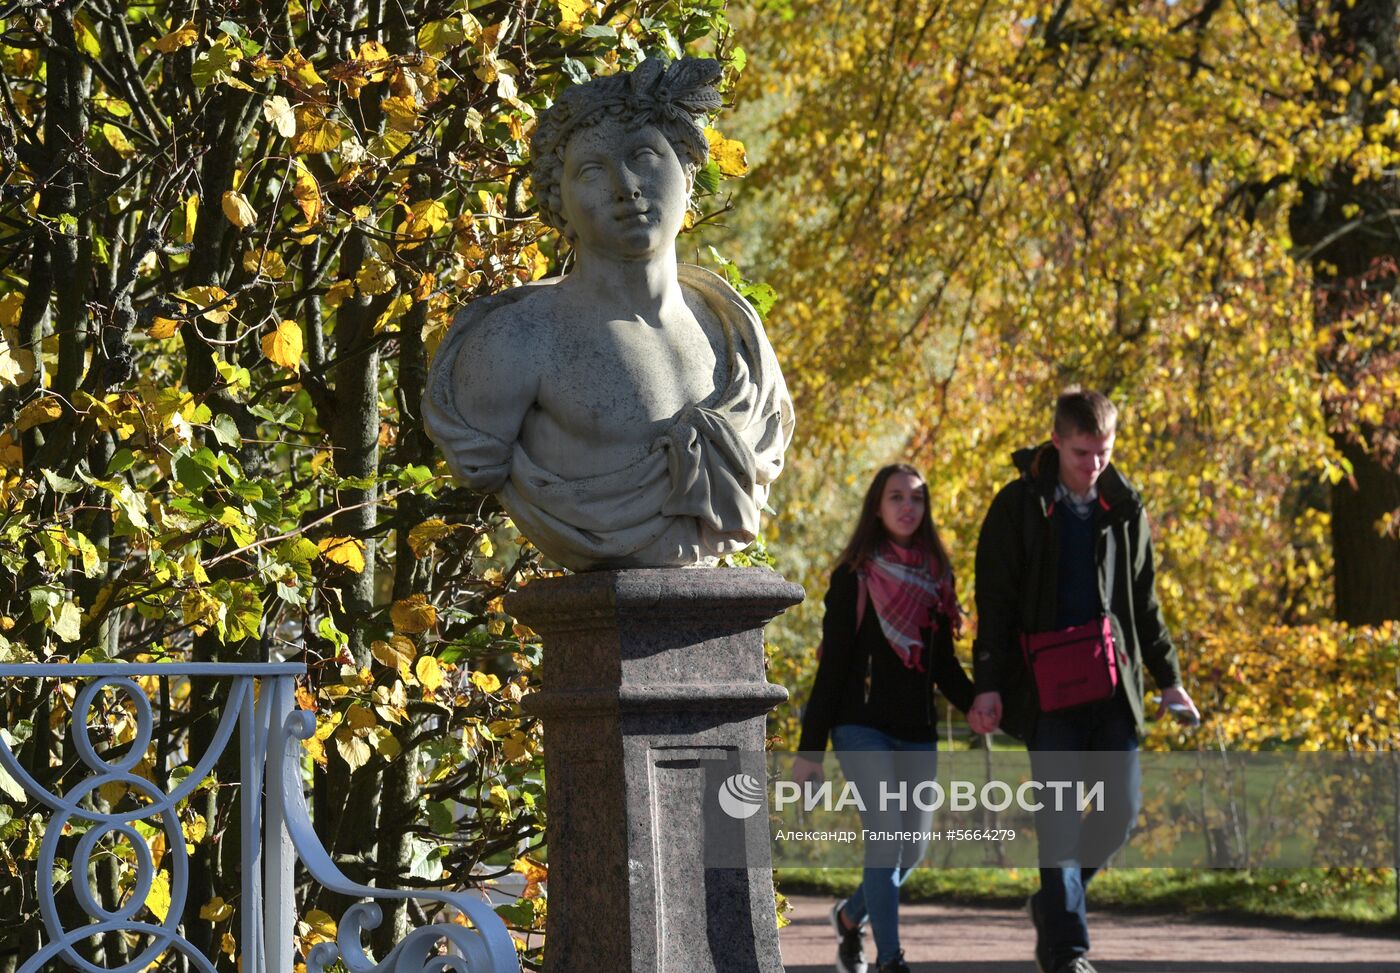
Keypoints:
pixel 645 154
pixel 588 171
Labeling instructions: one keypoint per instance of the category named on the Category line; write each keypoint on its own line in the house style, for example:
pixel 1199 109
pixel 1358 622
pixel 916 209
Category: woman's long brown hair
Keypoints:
pixel 870 532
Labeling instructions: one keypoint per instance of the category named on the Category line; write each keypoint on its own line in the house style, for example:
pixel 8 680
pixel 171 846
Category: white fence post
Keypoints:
pixel 276 829
pixel 280 857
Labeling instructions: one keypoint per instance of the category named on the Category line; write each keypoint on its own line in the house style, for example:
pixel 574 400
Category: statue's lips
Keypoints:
pixel 633 216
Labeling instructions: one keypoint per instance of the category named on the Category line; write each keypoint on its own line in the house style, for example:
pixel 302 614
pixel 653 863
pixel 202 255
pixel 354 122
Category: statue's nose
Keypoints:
pixel 627 186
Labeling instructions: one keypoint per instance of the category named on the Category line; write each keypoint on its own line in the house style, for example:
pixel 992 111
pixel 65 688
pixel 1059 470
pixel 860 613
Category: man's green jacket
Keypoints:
pixel 1017 564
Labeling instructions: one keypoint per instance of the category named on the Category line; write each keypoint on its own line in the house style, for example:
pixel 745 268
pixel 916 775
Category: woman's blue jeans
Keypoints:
pixel 878 763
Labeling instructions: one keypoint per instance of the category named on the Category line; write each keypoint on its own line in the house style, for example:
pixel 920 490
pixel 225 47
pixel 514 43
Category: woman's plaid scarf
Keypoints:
pixel 907 598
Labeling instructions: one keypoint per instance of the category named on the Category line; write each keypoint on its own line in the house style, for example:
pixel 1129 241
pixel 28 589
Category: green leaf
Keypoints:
pixel 327 630
pixel 44 601
pixel 440 817
pixel 70 619
pixel 10 826
pixel 87 551
pixel 283 413
pixel 244 610
pixel 425 860
pixel 599 30
pixel 291 594
pixel 50 542
pixel 213 65
pixel 236 376
pixel 298 550
pixel 87 37
pixel 237 523
pixel 61 484
pixel 761 296
pixel 247 490
pixel 121 461
pixel 130 505
pixel 708 178
pixel 520 913
pixel 437 36
pixel 8 785
pixel 226 431
pixel 191 474
pixel 576 72
pixel 388 145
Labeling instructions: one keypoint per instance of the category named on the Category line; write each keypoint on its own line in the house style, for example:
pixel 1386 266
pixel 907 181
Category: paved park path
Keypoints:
pixel 980 939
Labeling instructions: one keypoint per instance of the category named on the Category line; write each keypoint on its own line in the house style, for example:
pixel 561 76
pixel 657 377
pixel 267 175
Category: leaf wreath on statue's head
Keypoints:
pixel 673 97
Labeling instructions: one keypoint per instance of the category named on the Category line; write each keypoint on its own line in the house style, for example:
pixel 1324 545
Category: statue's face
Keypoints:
pixel 623 192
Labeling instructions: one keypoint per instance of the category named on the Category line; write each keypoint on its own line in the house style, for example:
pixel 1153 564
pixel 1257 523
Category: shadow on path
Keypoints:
pixel 948 938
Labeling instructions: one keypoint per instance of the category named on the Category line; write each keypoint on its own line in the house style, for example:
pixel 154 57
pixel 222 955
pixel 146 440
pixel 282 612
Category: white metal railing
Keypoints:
pixel 270 730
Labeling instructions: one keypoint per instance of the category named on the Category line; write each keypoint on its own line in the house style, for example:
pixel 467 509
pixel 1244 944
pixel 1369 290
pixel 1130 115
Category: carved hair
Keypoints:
pixel 675 98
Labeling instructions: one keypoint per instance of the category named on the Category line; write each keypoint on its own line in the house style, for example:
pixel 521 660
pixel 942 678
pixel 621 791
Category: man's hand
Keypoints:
pixel 804 769
pixel 985 715
pixel 1176 696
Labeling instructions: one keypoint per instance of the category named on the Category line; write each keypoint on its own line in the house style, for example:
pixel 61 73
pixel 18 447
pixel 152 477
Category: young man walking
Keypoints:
pixel 1066 547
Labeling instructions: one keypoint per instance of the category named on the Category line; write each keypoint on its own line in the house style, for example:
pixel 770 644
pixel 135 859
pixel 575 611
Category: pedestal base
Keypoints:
pixel 654 695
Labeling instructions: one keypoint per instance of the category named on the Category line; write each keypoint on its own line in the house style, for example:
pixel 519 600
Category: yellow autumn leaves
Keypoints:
pixel 283 345
pixel 400 654
pixel 183 36
pixel 239 211
pixel 348 552
pixel 306 192
pixel 413 614
pixel 727 153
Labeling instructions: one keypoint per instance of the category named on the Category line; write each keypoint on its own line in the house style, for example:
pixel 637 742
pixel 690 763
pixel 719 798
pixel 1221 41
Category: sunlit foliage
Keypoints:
pixel 231 237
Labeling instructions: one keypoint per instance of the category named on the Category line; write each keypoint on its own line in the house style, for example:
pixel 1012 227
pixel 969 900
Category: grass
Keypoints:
pixel 1362 898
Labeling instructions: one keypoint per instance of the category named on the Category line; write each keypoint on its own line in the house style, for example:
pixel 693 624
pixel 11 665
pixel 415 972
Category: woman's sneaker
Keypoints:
pixel 896 965
pixel 850 957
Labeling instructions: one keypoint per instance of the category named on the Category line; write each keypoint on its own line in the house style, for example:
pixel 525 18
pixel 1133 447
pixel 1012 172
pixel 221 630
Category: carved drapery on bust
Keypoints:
pixel 631 413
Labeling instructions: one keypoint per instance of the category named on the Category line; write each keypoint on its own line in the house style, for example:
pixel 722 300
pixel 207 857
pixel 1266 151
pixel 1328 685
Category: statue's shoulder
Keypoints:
pixel 733 311
pixel 709 284
pixel 507 317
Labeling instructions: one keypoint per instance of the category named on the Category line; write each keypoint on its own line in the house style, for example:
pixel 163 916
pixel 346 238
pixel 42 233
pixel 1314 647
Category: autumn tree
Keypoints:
pixel 1344 228
pixel 1183 204
pixel 966 206
pixel 231 237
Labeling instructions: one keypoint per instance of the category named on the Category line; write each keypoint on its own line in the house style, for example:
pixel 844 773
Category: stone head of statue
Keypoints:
pixel 614 159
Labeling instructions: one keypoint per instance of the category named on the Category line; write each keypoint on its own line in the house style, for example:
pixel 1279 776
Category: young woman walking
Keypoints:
pixel 887 640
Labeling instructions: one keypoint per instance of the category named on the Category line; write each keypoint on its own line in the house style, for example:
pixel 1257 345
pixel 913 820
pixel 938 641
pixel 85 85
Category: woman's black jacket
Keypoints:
pixel 860 680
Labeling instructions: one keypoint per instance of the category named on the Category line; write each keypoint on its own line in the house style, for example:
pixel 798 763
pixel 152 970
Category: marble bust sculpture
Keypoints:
pixel 630 413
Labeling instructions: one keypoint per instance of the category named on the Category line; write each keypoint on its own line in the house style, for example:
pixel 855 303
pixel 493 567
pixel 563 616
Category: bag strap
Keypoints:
pixel 1111 553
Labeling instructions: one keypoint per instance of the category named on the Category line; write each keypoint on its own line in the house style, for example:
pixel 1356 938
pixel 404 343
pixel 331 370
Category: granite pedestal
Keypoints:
pixel 654 694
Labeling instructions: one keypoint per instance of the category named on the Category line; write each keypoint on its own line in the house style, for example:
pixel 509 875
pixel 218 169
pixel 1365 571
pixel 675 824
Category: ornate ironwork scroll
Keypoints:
pixel 276 826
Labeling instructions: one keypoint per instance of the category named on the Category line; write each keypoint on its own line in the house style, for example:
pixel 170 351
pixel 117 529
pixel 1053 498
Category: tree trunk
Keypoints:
pixel 1342 225
pixel 1367 564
